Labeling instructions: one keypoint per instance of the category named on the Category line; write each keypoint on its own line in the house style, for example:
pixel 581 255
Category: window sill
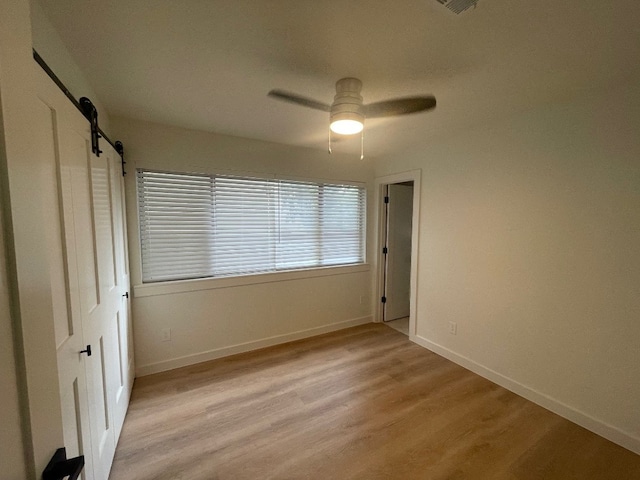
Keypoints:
pixel 182 286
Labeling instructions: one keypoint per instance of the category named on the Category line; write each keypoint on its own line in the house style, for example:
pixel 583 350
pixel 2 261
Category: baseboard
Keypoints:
pixel 596 426
pixel 163 366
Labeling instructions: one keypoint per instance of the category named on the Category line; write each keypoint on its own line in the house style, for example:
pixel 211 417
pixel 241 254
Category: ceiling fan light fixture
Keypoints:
pixel 346 127
pixel 347 123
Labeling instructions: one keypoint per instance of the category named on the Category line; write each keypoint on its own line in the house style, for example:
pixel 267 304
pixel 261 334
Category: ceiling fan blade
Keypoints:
pixel 399 106
pixel 299 100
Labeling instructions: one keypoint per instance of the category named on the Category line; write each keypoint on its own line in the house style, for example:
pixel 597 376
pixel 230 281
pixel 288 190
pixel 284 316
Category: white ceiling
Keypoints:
pixel 209 64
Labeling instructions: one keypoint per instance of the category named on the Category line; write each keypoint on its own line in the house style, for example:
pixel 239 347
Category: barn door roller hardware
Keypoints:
pixel 89 110
pixel 85 106
pixel 120 150
pixel 62 468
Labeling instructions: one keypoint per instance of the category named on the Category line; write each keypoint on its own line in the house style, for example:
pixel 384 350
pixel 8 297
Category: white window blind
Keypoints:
pixel 198 225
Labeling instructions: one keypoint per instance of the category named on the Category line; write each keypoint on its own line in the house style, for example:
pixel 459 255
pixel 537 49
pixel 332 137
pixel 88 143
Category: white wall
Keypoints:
pixel 214 318
pixel 530 241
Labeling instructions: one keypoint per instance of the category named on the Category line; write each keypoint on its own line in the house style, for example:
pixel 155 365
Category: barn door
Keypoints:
pixel 108 194
pixel 124 327
pixel 64 269
pixel 92 326
pixel 99 298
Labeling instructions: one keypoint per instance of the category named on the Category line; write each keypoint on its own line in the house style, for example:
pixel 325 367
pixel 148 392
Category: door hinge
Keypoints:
pixel 385 250
pixel 386 199
pixel 383 299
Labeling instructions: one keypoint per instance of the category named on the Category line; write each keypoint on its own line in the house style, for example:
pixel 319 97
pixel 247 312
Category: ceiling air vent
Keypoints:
pixel 458 6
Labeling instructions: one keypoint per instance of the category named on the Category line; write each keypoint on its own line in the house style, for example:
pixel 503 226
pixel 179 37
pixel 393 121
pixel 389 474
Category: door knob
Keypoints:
pixel 87 351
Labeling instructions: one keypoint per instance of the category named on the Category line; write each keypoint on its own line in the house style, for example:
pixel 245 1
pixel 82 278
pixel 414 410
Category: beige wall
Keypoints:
pixel 214 318
pixel 530 242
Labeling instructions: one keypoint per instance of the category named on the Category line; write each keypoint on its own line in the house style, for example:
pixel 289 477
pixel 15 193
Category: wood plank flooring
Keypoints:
pixel 362 403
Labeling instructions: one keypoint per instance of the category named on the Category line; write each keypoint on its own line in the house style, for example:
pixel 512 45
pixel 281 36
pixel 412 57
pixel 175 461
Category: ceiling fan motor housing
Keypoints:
pixel 347 104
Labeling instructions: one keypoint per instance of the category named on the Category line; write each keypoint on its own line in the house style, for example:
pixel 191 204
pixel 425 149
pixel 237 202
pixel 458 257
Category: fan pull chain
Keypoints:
pixel 361 144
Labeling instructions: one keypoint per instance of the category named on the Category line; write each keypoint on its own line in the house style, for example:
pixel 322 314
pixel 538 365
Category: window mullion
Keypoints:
pixel 320 227
pixel 213 227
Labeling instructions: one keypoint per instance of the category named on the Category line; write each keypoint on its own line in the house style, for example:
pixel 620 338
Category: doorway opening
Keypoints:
pixel 398 228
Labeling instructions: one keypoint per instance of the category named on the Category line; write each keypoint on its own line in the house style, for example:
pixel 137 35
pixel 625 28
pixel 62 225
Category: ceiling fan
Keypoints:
pixel 347 112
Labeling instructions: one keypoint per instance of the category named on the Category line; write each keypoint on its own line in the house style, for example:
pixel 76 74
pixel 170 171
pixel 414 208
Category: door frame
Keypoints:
pixel 380 185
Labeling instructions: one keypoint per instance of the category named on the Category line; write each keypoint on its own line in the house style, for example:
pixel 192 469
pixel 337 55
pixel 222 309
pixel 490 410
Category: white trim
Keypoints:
pixel 414 176
pixel 620 437
pixel 246 347
pixel 193 285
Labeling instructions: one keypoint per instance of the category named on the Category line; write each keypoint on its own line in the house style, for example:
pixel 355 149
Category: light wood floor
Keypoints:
pixel 363 403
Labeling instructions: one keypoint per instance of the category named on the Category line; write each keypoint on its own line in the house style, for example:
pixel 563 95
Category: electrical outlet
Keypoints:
pixel 166 334
pixel 453 328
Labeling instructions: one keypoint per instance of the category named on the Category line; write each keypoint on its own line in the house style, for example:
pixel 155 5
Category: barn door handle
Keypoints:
pixel 60 467
pixel 126 295
pixel 87 351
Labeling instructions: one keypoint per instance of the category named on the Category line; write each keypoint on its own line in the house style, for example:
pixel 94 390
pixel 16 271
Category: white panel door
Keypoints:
pixel 92 278
pixel 76 159
pixel 126 344
pixel 125 328
pixel 122 378
pixel 398 258
pixel 64 280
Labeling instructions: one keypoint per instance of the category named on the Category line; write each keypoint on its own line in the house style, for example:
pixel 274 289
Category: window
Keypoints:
pixel 198 225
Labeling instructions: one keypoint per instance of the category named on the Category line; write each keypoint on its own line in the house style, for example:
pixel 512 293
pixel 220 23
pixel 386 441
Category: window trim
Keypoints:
pixel 212 283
